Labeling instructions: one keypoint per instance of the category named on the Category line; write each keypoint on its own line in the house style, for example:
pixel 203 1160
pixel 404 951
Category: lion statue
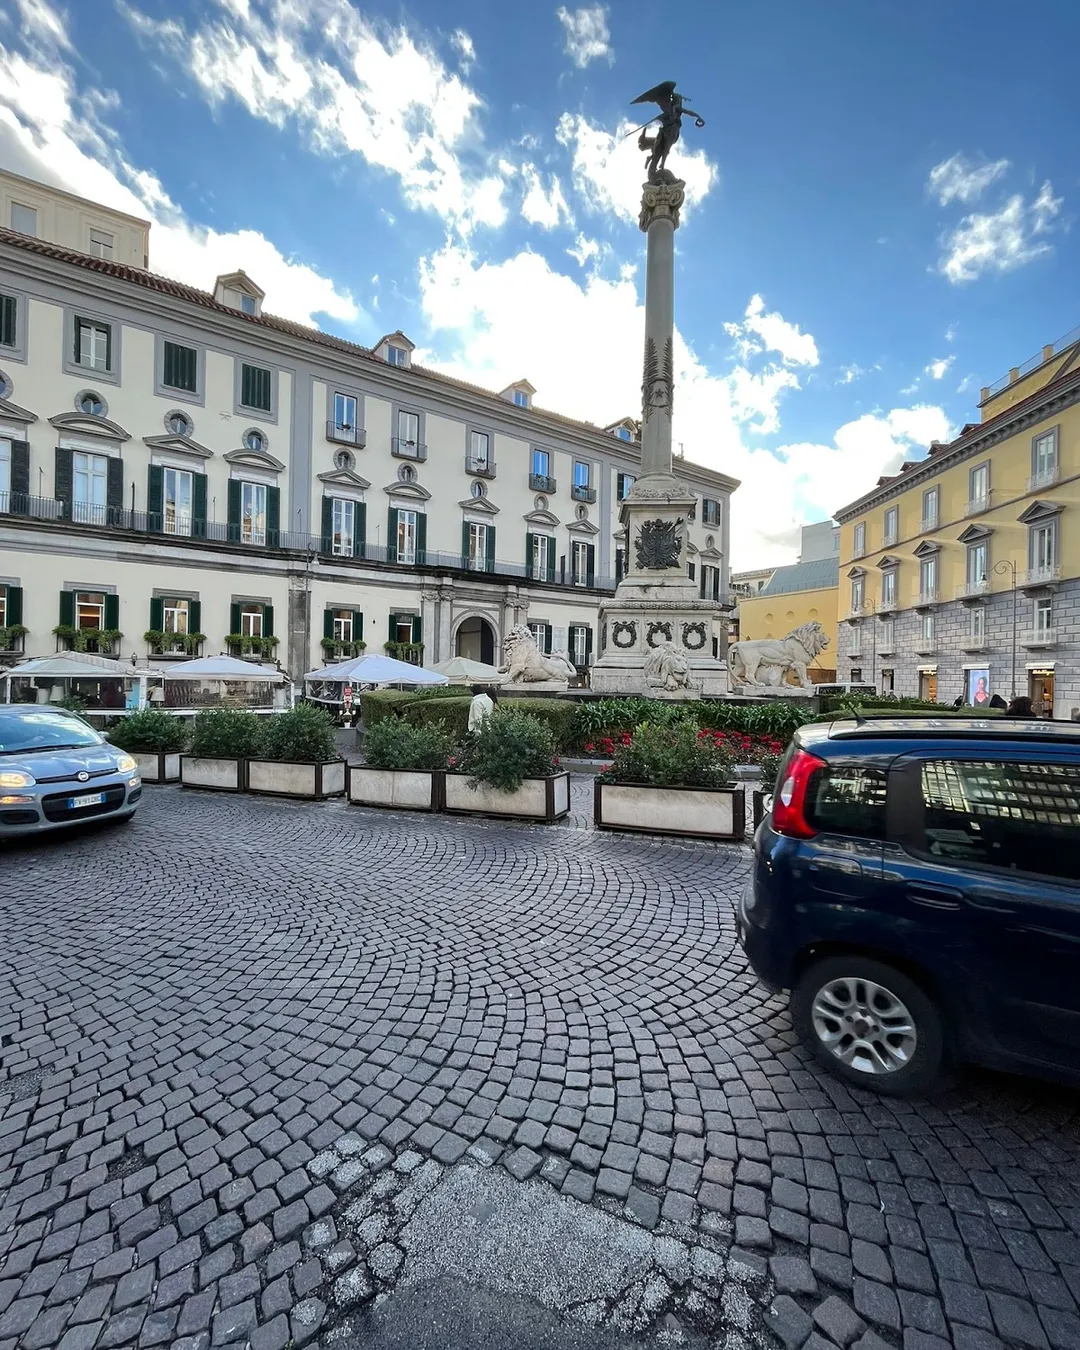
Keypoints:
pixel 524 663
pixel 667 668
pixel 769 660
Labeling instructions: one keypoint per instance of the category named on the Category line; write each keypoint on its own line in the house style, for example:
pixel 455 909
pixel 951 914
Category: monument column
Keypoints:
pixel 659 220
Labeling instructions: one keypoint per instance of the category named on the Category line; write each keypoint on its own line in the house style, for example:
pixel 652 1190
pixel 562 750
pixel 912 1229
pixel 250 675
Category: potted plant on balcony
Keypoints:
pixel 413 652
pixel 101 641
pixel 342 649
pixel 242 645
pixel 671 780
pixel 154 739
pixel 405 766
pixel 509 768
pixel 222 742
pixel 297 757
pixel 173 644
pixel 11 637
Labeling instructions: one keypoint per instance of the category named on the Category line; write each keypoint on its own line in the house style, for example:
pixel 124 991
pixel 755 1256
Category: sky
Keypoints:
pixel 879 214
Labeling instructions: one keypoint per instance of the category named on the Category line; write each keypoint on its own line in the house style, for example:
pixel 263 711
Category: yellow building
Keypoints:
pixel 791 597
pixel 960 575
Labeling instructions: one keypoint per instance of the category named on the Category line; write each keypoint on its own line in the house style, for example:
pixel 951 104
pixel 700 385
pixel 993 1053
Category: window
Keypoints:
pixel 406 536
pixel 256 388
pixel 931 501
pixel 888 635
pixel 93 344
pixel 620 563
pixel 1043 616
pixel 408 433
pixel 623 433
pixel 579 563
pixel 856 674
pixel 3 607
pixel 521 398
pixel 254 440
pixel 847 799
pixel 24 218
pixel 977 624
pixel 860 539
pixel 345 417
pixel 710 582
pixel 5 471
pixel 1018 817
pixel 888 589
pixel 90 478
pixel 343 527
pixel 542 633
pixel 579 644
pixel 91 404
pixel 581 474
pixel 1043 549
pixel 180 368
pixel 478 538
pixel 101 244
pixel 253 516
pixel 623 484
pixel 977 565
pixel 176 616
pixel 710 512
pixel 927 632
pixel 177 490
pixel 855 642
pixel 247 303
pixel 538 569
pixel 89 609
pixel 892 526
pixel 397 356
pixel 403 628
pixel 179 424
pixel 541 463
pixel 342 625
pixel 928 578
pixel 979 487
pixel 251 620
pixel 345 459
pixel 857 595
pixel 1044 459
pixel 479 449
pixel 9 310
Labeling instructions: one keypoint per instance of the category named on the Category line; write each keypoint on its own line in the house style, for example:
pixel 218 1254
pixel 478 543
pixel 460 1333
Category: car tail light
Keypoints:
pixel 789 802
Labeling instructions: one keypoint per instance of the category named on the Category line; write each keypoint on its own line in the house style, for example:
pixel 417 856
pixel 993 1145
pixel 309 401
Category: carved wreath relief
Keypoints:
pixel 661 628
pixel 693 636
pixel 658 544
pixel 657 384
pixel 624 633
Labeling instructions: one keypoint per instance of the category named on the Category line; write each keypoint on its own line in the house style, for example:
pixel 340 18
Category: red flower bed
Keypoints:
pixel 745 748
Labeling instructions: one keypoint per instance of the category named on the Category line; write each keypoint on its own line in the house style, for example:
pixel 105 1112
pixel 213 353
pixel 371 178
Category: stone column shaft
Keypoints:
pixel 659 329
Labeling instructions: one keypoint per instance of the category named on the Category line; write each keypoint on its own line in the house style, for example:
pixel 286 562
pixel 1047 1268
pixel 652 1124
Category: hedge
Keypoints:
pixel 554 713
pixel 379 703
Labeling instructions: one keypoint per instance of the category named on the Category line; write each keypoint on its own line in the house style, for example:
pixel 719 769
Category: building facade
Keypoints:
pixel 800 593
pixel 182 474
pixel 960 575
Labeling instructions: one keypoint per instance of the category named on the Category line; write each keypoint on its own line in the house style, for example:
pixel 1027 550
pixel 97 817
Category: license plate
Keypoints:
pixel 92 799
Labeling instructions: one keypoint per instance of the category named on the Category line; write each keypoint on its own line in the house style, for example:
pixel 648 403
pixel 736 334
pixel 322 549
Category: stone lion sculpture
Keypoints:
pixel 524 663
pixel 667 668
pixel 769 660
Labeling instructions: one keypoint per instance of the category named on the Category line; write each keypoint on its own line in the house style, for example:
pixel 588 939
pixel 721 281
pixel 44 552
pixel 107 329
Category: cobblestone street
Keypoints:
pixel 256 1058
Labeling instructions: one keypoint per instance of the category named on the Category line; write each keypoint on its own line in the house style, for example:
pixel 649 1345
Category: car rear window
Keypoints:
pixel 847 799
pixel 44 731
pixel 1016 816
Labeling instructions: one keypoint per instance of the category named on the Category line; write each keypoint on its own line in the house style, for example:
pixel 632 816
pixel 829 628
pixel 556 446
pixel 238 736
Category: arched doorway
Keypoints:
pixel 476 640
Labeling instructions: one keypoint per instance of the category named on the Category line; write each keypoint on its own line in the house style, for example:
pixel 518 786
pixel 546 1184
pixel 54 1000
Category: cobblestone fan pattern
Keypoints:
pixel 240 1040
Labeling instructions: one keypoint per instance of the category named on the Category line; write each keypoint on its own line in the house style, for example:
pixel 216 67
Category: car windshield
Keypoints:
pixel 44 730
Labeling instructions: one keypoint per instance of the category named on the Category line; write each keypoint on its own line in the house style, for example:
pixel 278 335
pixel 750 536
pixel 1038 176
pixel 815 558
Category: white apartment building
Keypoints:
pixel 183 474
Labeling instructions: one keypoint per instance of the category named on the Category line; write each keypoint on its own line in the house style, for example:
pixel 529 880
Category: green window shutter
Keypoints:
pixel 67 609
pixel 114 489
pixel 550 561
pixel 195 616
pixel 547 639
pixel 112 611
pixel 234 511
pixel 421 537
pixel 234 618
pixel 268 620
pixel 64 485
pixel 417 628
pixel 20 473
pixel 180 367
pixel 359 530
pixel 328 623
pixel 391 627
pixel 528 551
pixel 273 517
pixel 8 310
pixel 590 565
pixel 255 387
pixel 14 605
pixel 588 643
pixel 464 543
pixel 358 625
pixel 327 544
pixel 391 535
pixel 198 505
pixel 155 497
pixel 157 614
pixel 490 558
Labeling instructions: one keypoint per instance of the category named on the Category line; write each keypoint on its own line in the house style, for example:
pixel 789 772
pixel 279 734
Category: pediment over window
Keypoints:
pixel 541 518
pixel 1040 511
pixel 13 413
pixel 691 549
pixel 484 505
pixel 927 549
pixel 178 445
pixel 974 533
pixel 82 424
pixel 887 561
pixel 856 573
pixel 583 527
pixel 713 554
pixel 401 489
pixel 254 459
pixel 344 478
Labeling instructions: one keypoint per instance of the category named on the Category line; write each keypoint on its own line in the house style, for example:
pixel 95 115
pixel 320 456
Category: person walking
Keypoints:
pixel 481 707
pixel 1020 707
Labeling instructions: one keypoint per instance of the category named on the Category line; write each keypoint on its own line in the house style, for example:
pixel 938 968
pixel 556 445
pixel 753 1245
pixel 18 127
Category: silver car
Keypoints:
pixel 56 770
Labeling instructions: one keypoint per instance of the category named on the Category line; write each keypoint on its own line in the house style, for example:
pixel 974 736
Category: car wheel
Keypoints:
pixel 870 1024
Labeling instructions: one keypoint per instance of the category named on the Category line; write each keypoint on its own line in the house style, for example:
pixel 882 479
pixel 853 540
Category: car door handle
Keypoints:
pixel 994 904
pixel 936 897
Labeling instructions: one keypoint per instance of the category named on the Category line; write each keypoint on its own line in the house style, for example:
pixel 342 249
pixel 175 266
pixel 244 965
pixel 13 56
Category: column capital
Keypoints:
pixel 661 198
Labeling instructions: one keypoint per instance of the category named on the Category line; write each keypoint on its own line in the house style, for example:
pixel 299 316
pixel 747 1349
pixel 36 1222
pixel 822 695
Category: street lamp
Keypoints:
pixel 1007 565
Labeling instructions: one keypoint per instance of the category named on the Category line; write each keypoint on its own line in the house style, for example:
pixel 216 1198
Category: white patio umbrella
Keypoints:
pixel 462 670
pixel 219 668
pixel 73 666
pixel 376 670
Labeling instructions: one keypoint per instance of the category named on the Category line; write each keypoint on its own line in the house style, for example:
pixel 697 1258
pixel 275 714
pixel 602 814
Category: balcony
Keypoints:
pixel 857 609
pixel 973 642
pixel 241 644
pixel 402 449
pixel 95 641
pixel 540 482
pixel 344 434
pixel 413 652
pixel 1039 637
pixel 1043 479
pixel 888 540
pixel 925 646
pixel 968 590
pixel 13 639
pixel 173 646
pixel 928 524
pixel 977 505
pixel 341 649
pixel 888 603
pixel 581 492
pixel 482 468
pixel 38 508
pixel 886 647
pixel 927 597
pixel 1041 576
pixel 854 653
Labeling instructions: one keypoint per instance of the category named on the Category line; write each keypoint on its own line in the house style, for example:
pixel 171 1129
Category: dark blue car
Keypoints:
pixel 917 889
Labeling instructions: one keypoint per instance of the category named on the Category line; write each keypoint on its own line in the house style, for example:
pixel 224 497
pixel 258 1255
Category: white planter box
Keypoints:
pixel 543 799
pixel 273 778
pixel 405 789
pixel 222 775
pixel 157 766
pixel 702 813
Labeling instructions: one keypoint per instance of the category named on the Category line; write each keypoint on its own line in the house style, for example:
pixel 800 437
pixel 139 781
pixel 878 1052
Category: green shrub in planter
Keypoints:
pixel 670 756
pixel 380 703
pixel 769 764
pixel 226 733
pixel 453 712
pixel 558 714
pixel 150 732
pixel 72 702
pixel 303 735
pixel 509 747
pixel 396 744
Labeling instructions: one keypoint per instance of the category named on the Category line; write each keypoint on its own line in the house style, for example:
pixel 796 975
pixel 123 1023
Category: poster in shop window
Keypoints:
pixel 977 688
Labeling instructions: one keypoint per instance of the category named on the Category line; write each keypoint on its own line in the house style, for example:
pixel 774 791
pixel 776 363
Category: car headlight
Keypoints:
pixel 14 779
pixel 125 764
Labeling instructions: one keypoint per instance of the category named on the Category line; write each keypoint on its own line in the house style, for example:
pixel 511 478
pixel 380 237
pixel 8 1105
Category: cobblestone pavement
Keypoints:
pixel 248 1048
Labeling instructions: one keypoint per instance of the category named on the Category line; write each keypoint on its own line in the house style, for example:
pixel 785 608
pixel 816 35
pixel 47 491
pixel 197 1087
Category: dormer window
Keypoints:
pixel 397 356
pixel 623 433
pixel 238 291
pixel 395 349
pixel 520 394
pixel 521 398
pixel 247 304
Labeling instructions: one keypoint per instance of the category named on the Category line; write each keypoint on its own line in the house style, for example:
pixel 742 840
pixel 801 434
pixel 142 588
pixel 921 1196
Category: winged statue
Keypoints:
pixel 672 107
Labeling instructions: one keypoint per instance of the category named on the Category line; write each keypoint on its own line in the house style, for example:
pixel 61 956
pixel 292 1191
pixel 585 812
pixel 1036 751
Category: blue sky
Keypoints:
pixel 879 207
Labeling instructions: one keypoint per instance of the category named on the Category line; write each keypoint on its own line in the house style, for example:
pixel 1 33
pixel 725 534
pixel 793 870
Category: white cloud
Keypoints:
pixel 584 250
pixel 545 208
pixel 960 179
pixel 950 333
pixel 1002 240
pixel 965 384
pixel 351 87
pixel 762 331
pixel 587 35
pixel 607 168
pixel 49 131
pixel 463 44
pixel 41 23
pixel 937 369
pixel 849 374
